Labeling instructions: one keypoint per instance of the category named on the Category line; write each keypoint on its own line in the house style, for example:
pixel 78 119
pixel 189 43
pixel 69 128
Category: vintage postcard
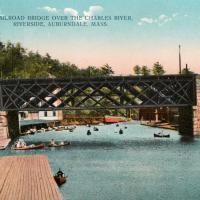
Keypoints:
pixel 99 100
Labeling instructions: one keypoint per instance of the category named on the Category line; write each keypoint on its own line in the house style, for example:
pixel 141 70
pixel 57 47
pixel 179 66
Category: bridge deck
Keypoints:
pixel 27 177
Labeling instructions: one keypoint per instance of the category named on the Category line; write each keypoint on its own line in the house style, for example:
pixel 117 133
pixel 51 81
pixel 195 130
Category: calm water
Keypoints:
pixel 132 166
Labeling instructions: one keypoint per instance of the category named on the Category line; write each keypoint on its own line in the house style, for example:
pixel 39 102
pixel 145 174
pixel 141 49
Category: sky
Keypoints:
pixel 153 35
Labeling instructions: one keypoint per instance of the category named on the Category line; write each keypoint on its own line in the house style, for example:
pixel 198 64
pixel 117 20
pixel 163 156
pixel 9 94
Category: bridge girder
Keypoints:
pixel 98 93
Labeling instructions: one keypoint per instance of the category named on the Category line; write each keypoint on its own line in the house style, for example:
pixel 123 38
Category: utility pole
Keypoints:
pixel 180 68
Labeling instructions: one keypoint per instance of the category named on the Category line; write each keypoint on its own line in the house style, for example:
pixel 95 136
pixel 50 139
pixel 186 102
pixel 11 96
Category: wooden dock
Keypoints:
pixel 27 178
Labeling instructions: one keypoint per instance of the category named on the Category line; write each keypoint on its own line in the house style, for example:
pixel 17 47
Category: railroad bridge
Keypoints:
pixel 113 92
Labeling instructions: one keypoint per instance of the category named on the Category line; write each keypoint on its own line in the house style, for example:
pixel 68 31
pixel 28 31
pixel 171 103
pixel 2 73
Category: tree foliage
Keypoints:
pixel 137 70
pixel 158 69
pixel 17 62
pixel 106 70
pixel 145 71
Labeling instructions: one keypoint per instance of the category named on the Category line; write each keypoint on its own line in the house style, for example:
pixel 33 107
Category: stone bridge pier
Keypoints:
pixel 4 133
pixel 189 117
pixel 196 109
pixel 9 124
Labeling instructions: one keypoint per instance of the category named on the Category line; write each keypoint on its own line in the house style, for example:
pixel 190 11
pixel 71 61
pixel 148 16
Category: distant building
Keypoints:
pixel 53 115
pixel 41 115
pixel 159 114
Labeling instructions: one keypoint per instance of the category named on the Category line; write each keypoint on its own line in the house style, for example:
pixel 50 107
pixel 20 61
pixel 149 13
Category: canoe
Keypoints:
pixel 59 129
pixel 161 135
pixel 59 145
pixel 60 179
pixel 114 119
pixel 30 147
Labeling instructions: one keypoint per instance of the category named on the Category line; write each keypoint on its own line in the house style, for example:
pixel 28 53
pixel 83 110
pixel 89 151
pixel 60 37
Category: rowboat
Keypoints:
pixel 59 145
pixel 59 128
pixel 29 147
pixel 60 180
pixel 161 135
pixel 114 119
pixel 60 177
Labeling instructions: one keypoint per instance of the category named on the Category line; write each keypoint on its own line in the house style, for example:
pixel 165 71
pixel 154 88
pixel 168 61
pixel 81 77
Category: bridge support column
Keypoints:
pixel 189 117
pixel 4 133
pixel 9 124
pixel 186 121
pixel 156 114
pixel 196 109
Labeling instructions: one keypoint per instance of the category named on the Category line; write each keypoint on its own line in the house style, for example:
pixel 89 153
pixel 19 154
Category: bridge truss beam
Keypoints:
pixel 98 93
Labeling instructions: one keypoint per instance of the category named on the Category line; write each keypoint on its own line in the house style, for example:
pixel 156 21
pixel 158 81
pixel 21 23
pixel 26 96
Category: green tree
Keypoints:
pixel 91 71
pixel 1 45
pixel 106 70
pixel 145 71
pixel 158 69
pixel 2 58
pixel 12 63
pixel 137 70
pixel 17 62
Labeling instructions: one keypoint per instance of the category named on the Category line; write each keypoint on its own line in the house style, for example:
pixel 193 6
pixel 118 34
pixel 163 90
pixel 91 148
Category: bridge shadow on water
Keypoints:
pixel 187 139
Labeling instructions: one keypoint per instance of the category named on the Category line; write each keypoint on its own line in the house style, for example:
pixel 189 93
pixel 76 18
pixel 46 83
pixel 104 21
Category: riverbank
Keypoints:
pixel 84 120
pixel 164 125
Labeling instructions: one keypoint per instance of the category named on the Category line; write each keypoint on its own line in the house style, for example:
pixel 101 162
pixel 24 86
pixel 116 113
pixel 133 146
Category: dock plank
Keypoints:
pixel 27 177
pixel 49 172
pixel 50 187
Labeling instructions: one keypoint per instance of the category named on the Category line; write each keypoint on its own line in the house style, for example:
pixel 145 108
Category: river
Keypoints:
pixel 132 166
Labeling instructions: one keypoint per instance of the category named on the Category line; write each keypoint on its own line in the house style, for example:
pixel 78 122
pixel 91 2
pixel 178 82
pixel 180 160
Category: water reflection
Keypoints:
pixel 187 139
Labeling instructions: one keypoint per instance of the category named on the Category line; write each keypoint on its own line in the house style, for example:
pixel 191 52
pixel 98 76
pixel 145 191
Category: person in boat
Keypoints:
pixel 96 129
pixel 60 177
pixel 49 128
pixel 60 173
pixel 20 144
pixel 120 131
pixel 23 144
pixel 89 132
pixel 160 133
pixel 52 142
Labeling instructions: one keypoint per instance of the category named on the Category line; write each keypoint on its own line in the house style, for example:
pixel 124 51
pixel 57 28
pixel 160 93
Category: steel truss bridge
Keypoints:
pixel 111 92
